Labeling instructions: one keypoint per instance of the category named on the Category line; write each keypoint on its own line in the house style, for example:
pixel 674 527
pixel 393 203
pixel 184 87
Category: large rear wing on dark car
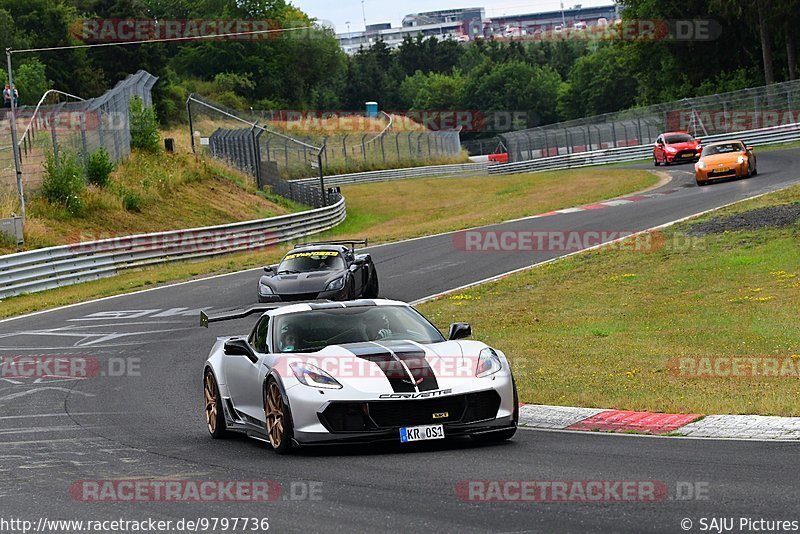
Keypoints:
pixel 351 243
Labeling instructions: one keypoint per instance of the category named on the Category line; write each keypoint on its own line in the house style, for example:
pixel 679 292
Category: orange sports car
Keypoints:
pixel 725 159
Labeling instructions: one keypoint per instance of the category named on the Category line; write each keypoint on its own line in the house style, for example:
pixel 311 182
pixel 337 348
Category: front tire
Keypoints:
pixel 373 289
pixel 215 416
pixel 279 419
pixel 655 161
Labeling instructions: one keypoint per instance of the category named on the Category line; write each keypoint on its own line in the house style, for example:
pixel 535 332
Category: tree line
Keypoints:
pixel 548 80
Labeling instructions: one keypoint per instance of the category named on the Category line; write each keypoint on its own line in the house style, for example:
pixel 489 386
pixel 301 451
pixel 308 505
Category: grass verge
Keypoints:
pixel 603 329
pixel 389 211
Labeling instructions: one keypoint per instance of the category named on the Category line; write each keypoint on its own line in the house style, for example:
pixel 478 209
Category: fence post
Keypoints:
pixel 84 145
pixel 397 143
pixel 614 133
pixel 286 152
pixel 191 128
pixel 344 149
pixel 383 150
pixel 364 147
pixel 54 139
pixel 322 178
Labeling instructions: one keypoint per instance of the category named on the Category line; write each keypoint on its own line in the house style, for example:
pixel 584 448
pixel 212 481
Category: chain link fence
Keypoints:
pixel 80 127
pixel 484 147
pixel 268 156
pixel 727 113
pixel 288 148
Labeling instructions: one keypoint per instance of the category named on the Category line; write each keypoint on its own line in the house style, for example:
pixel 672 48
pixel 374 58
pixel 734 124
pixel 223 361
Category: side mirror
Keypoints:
pixel 354 267
pixel 240 347
pixel 269 270
pixel 459 331
pixel 749 149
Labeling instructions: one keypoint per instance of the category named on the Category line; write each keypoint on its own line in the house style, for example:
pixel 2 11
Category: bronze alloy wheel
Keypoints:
pixel 215 418
pixel 275 415
pixel 210 395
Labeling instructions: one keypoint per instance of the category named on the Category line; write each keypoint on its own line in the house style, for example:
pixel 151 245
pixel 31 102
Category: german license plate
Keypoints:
pixel 688 156
pixel 421 433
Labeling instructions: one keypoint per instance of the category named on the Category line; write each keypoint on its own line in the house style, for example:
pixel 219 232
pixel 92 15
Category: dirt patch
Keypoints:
pixel 769 217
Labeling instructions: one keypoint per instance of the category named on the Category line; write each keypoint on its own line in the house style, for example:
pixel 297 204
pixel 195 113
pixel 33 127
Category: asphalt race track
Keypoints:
pixel 56 432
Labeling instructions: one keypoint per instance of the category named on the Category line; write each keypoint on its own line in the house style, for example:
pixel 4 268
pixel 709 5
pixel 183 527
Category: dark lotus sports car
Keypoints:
pixel 312 271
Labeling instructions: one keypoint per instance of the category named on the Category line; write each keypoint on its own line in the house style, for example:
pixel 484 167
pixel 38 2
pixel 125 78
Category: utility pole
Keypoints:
pixel 563 18
pixel 14 142
pixel 364 12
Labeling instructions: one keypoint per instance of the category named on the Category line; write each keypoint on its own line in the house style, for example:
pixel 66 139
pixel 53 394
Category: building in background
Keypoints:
pixel 468 24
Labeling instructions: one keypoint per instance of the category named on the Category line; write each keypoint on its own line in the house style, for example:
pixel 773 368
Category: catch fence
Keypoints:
pixel 728 113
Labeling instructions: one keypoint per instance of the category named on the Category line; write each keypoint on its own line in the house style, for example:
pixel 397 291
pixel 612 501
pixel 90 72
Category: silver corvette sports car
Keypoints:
pixel 359 371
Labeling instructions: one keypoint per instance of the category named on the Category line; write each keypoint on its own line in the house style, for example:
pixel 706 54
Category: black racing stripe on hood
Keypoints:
pixel 393 370
pixel 414 358
pixel 420 369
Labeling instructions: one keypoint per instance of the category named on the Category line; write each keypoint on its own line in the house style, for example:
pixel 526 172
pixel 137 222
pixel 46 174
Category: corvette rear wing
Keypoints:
pixel 344 242
pixel 206 319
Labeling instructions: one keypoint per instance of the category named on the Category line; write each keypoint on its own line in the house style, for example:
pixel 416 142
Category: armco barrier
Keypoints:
pixel 765 136
pixel 399 174
pixel 39 270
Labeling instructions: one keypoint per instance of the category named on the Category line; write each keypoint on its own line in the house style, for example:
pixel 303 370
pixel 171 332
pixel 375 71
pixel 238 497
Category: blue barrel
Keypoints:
pixel 372 110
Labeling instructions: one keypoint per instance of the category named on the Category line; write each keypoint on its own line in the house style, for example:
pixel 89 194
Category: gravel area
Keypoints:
pixel 769 217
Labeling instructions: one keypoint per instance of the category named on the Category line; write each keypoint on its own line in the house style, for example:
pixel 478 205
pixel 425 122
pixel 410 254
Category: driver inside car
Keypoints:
pixel 289 340
pixel 378 328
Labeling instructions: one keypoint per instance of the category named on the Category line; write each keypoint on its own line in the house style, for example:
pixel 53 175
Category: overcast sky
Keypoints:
pixel 339 12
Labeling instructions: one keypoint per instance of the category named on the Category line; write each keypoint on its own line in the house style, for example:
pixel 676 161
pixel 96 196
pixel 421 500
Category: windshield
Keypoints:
pixel 309 262
pixel 310 331
pixel 679 138
pixel 726 148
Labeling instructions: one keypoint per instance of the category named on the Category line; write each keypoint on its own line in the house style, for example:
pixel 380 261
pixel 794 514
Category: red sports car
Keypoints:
pixel 676 147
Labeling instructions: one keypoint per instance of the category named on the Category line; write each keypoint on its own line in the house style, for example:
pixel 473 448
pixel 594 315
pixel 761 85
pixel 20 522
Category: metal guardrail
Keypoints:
pixel 400 174
pixel 764 136
pixel 39 270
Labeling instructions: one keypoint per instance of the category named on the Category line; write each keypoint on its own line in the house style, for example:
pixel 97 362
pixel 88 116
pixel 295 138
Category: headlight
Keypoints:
pixel 488 363
pixel 264 289
pixel 701 165
pixel 336 285
pixel 740 161
pixel 314 376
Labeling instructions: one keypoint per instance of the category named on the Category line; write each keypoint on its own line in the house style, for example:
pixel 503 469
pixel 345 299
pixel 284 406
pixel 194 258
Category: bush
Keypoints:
pixel 131 201
pixel 99 168
pixel 63 183
pixel 144 126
